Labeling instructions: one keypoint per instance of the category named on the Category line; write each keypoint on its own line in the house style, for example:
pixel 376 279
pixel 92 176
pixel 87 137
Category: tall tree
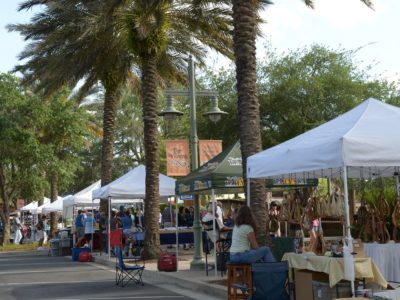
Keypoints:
pixel 20 151
pixel 304 88
pixel 245 21
pixel 167 31
pixel 64 134
pixel 67 47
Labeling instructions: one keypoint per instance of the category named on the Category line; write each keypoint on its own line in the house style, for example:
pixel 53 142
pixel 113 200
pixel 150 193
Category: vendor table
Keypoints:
pixel 365 268
pixel 387 258
pixel 168 236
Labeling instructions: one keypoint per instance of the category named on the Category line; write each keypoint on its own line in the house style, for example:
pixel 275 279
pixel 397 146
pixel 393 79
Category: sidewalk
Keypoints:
pixel 194 281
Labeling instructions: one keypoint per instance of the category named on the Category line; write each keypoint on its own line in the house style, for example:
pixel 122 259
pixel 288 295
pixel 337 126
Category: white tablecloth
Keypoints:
pixel 387 258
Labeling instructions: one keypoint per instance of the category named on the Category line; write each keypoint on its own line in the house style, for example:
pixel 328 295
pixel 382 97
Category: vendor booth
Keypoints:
pixel 222 175
pixel 131 187
pixel 357 144
pixel 82 198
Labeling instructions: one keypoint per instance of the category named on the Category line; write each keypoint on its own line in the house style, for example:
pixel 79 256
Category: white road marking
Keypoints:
pixel 128 297
pixel 53 282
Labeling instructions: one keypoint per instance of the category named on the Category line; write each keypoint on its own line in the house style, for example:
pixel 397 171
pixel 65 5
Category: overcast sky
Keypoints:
pixel 290 24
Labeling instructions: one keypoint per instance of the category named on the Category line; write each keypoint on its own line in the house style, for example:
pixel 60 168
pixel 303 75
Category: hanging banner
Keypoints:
pixel 208 149
pixel 178 163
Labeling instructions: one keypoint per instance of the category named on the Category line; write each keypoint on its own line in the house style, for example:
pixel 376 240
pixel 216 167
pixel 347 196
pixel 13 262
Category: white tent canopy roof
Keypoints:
pixel 30 206
pixel 365 139
pixel 132 185
pixel 82 198
pixel 46 202
pixel 56 206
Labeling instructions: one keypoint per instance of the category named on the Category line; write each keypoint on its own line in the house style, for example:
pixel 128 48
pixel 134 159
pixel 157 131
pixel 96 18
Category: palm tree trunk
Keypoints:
pixel 111 100
pixel 152 158
pixel 5 212
pixel 42 186
pixel 53 197
pixel 244 44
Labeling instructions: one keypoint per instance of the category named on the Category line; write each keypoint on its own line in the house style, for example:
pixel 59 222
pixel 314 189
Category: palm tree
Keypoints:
pixel 167 31
pixel 245 22
pixel 159 34
pixel 64 51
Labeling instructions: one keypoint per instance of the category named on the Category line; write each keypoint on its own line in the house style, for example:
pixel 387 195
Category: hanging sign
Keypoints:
pixel 209 149
pixel 178 163
pixel 291 182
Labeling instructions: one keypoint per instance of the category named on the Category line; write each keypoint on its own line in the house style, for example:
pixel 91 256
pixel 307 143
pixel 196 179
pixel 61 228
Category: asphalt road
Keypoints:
pixel 34 275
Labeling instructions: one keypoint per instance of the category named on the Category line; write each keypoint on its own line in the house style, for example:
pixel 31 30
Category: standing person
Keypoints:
pixel 79 220
pixel 41 233
pixel 244 248
pixel 16 228
pixel 188 217
pixel 181 217
pixel 274 224
pixel 89 226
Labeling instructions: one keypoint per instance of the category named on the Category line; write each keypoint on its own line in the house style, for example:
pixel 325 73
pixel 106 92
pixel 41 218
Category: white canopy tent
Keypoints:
pixel 30 206
pixel 56 206
pixel 363 142
pixel 82 198
pixel 132 185
pixel 364 139
pixel 38 209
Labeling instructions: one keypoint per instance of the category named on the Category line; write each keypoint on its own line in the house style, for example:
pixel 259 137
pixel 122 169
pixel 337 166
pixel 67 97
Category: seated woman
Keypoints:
pixel 244 247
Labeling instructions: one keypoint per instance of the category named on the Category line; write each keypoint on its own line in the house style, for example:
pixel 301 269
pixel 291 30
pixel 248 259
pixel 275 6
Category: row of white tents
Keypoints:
pixel 130 188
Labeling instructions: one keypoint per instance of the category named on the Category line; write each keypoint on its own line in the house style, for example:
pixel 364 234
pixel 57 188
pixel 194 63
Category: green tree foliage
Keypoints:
pixel 35 136
pixel 20 152
pixel 307 87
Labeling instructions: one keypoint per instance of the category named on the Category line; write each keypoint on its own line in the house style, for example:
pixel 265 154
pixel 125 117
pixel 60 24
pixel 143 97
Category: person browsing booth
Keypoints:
pixel 244 248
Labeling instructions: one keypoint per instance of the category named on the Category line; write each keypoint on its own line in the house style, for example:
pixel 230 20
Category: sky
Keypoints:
pixel 346 24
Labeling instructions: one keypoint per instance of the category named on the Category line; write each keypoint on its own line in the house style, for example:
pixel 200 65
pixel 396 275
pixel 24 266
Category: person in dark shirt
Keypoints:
pixel 181 217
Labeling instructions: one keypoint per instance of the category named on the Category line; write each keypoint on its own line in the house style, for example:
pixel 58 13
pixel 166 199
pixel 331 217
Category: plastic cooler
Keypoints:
pixel 77 251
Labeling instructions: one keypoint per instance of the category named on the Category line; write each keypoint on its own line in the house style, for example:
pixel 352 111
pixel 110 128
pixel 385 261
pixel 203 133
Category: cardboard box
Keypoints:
pixel 303 283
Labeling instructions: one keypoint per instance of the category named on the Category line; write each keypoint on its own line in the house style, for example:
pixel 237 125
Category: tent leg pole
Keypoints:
pixel 109 228
pixel 214 232
pixel 176 232
pixel 349 240
pixel 248 191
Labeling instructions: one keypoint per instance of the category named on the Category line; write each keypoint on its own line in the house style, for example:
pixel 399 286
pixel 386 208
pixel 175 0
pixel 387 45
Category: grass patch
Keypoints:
pixel 21 247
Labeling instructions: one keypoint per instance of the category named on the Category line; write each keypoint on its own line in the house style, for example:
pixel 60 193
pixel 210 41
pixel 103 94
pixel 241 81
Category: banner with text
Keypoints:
pixel 178 163
pixel 208 149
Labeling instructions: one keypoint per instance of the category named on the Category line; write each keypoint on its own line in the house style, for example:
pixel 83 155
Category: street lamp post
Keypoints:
pixel 215 115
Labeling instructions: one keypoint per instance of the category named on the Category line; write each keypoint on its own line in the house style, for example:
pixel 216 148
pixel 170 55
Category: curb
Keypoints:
pixel 193 285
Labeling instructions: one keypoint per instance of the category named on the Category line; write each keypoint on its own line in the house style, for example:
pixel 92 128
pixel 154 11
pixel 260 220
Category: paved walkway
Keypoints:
pixel 35 275
pixel 196 281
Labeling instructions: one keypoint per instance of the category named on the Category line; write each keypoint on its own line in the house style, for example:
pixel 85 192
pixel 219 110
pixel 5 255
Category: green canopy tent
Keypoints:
pixel 222 175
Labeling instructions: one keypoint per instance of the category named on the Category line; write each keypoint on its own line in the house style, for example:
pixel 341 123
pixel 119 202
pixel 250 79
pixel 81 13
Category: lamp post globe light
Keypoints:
pixel 170 113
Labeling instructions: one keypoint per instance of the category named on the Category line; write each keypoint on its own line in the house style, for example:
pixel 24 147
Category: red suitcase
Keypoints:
pixel 167 262
pixel 85 257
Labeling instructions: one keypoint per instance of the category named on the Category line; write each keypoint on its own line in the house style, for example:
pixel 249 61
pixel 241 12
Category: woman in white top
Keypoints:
pixel 244 248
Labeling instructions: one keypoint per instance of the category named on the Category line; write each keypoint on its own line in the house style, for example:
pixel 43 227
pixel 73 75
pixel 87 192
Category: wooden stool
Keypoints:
pixel 245 283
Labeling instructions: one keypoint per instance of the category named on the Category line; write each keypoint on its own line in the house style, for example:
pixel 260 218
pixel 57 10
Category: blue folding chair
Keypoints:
pixel 125 274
